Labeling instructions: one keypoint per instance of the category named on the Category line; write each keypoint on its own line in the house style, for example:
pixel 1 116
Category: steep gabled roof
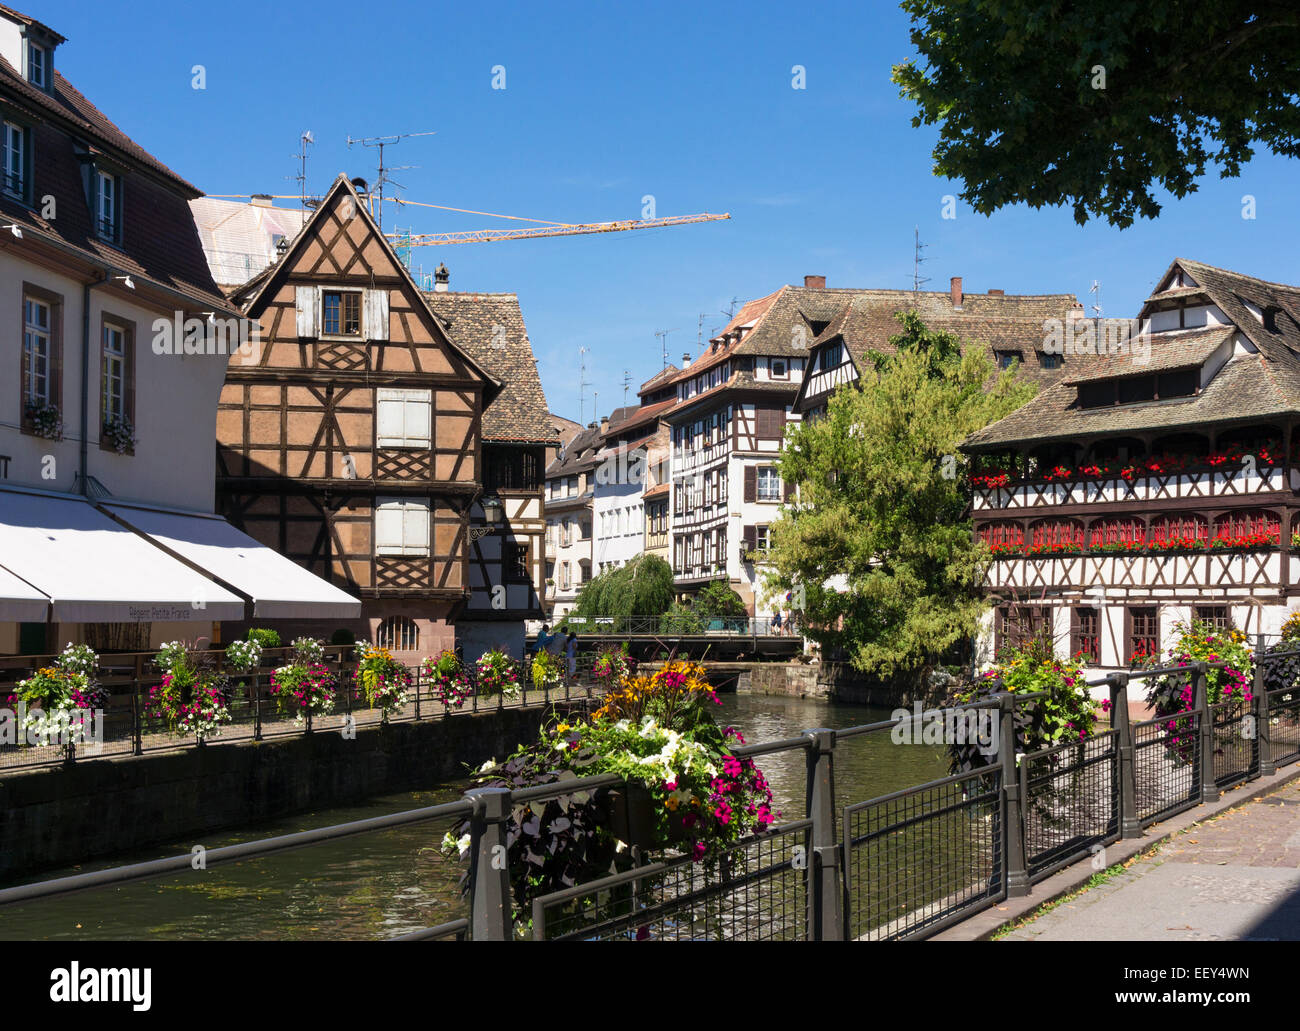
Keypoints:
pixel 479 324
pixel 1230 290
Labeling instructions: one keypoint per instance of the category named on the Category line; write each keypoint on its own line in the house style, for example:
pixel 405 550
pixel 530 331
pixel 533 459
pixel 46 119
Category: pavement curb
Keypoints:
pixel 982 926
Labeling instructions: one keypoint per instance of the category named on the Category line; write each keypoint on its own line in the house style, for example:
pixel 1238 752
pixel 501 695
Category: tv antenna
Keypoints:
pixel 1096 289
pixel 304 141
pixel 627 382
pixel 662 334
pixel 582 385
pixel 380 142
pixel 917 261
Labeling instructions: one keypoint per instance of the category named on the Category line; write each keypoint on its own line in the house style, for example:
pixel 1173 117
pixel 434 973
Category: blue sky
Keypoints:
pixel 603 105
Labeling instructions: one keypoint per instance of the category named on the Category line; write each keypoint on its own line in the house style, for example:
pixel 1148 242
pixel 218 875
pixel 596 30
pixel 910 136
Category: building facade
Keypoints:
pixel 1156 482
pixel 570 540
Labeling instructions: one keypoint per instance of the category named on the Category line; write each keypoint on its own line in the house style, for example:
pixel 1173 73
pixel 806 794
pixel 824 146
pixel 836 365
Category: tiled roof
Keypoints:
pixel 1230 291
pixel 239 238
pixel 1247 387
pixel 739 381
pixel 519 412
pixel 159 240
pixel 579 454
pixel 1168 351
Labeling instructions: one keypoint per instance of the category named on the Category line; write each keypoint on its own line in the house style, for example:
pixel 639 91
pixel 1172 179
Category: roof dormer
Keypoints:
pixel 29 46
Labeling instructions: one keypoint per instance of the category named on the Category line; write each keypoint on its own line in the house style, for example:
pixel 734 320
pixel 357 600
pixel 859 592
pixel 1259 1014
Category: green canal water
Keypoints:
pixel 386 883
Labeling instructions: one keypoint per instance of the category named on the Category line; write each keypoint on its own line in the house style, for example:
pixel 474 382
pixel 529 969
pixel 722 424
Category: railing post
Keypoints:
pixel 490 878
pixel 1205 738
pixel 1263 720
pixel 419 672
pixel 825 896
pixel 1014 822
pixel 256 695
pixel 1130 826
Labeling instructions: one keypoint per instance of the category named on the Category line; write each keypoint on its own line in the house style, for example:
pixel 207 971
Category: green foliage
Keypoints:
pixel 343 636
pixel 682 619
pixel 264 638
pixel 882 503
pixel 717 599
pixel 1096 105
pixel 643 587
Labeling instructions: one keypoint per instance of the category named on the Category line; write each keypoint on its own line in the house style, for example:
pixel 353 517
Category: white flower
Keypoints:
pixel 487 766
pixel 462 844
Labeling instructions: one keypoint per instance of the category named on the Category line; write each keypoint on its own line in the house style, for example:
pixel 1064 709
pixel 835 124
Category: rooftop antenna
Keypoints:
pixel 582 385
pixel 662 334
pixel 304 141
pixel 730 310
pixel 917 261
pixel 627 382
pixel 1096 289
pixel 381 142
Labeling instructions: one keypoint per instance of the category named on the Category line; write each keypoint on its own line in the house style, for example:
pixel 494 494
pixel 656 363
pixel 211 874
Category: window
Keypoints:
pixel 779 370
pixel 510 469
pixel 515 563
pixel 564 576
pixel 769 483
pixel 1084 639
pixel 1216 616
pixel 831 356
pixel 403 418
pixel 108 205
pixel 1022 626
pixel 38 353
pixel 1144 635
pixel 341 313
pixel 762 538
pixel 769 422
pixel 1006 359
pixel 117 385
pixel 15 160
pixel 38 66
pixel 401 526
pixel 1049 359
pixel 399 634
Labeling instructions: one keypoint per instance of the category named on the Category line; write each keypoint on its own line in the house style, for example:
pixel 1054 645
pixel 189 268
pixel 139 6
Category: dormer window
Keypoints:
pixel 38 65
pixel 1138 389
pixel 108 206
pixel 17 159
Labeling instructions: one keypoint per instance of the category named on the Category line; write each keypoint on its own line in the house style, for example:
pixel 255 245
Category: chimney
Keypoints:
pixel 260 200
pixel 604 424
pixel 997 293
pixel 686 359
pixel 956 291
pixel 814 282
pixel 441 279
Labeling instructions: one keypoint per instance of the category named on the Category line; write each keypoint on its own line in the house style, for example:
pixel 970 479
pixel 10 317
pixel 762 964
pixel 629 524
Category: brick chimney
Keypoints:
pixel 814 282
pixel 604 424
pixel 957 295
pixel 997 293
pixel 441 279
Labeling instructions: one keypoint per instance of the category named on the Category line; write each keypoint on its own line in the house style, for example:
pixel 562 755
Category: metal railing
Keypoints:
pixel 674 626
pixel 902 865
pixel 127 726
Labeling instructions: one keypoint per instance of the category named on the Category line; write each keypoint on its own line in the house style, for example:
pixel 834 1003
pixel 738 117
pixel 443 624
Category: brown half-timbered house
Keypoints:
pixel 353 442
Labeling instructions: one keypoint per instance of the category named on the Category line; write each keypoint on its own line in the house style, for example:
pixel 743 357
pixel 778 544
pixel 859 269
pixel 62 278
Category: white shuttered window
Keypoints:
pixel 401 526
pixel 404 418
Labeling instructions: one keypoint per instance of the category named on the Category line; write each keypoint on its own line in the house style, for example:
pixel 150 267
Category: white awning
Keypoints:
pixel 95 570
pixel 279 587
pixel 20 602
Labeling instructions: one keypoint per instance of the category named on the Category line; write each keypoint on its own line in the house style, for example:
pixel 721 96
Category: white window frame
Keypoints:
pixel 403 418
pixel 759 493
pixel 108 205
pixel 15 160
pixel 762 537
pixel 114 371
pixel 43 82
pixel 38 347
pixel 411 525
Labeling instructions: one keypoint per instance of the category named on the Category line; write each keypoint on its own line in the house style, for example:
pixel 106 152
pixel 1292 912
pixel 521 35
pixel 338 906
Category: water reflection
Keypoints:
pixel 386 883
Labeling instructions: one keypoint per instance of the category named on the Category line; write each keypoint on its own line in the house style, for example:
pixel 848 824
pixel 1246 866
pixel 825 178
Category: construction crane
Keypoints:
pixel 543 227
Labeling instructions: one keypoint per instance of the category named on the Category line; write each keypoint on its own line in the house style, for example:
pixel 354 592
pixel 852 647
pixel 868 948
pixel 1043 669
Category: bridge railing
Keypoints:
pixel 902 865
pixel 674 626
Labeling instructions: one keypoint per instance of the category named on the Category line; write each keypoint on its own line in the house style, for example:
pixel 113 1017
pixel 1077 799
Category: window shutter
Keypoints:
pixel 751 538
pixel 419 418
pixel 308 311
pixel 751 483
pixel 388 528
pixel 390 424
pixel 375 315
pixel 415 527
pixel 788 490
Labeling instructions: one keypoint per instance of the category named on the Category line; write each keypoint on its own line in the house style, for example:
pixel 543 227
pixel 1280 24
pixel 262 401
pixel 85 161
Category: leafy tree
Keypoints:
pixel 882 504
pixel 682 619
pixel 643 587
pixel 717 600
pixel 1093 104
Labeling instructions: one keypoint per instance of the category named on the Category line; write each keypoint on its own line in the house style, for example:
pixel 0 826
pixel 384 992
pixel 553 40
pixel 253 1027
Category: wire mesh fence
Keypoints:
pixel 1236 742
pixel 1166 764
pixel 1070 796
pixel 924 856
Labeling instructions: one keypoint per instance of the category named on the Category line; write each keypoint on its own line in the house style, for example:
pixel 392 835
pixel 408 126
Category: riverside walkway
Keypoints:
pixel 1232 877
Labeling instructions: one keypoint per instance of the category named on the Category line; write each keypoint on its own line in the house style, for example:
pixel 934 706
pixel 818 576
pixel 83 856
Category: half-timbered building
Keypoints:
pixel 1156 482
pixel 507 524
pixel 354 443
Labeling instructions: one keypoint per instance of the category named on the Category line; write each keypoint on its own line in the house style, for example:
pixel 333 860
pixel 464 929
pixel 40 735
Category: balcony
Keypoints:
pixel 1230 571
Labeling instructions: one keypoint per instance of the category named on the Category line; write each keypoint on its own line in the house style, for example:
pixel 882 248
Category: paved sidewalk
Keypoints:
pixel 1235 877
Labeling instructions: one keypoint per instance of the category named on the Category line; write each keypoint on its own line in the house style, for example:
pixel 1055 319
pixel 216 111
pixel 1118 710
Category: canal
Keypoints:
pixel 386 883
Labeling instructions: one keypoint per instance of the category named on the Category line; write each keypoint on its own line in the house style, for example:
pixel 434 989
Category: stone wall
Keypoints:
pixel 794 679
pixel 56 817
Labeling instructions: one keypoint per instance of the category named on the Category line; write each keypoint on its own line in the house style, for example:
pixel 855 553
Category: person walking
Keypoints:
pixel 543 639
pixel 776 621
pixel 571 650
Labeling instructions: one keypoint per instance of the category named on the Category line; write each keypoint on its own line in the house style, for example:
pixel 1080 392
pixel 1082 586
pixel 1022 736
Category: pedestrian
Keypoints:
pixel 571 649
pixel 776 621
pixel 543 639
